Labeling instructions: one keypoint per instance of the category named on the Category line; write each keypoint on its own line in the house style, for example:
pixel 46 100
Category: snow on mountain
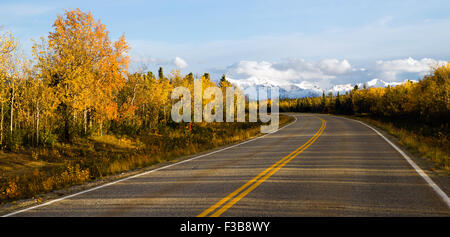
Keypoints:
pixel 286 90
pixel 376 83
pixel 380 83
pixel 307 89
pixel 309 86
pixel 341 88
pixel 398 83
pixel 372 83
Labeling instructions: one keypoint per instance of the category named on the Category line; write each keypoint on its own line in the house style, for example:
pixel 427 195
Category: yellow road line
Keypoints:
pixel 244 193
pixel 265 175
pixel 215 206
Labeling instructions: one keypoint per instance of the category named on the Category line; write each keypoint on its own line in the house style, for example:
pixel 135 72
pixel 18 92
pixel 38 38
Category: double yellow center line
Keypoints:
pixel 227 202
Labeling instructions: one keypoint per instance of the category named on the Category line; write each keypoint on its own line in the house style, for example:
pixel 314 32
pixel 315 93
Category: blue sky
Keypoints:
pixel 388 40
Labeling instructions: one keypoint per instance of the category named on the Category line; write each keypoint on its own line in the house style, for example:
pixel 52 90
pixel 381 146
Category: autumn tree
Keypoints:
pixel 13 70
pixel 84 68
pixel 8 46
pixel 160 73
pixel 223 83
pixel 206 76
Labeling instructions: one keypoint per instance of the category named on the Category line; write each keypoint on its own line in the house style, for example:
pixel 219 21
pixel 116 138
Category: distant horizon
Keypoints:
pixel 321 43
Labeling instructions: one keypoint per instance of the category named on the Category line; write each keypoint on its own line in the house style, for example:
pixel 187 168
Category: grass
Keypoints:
pixel 433 148
pixel 32 172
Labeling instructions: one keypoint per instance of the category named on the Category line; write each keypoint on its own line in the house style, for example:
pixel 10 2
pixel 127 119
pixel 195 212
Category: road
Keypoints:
pixel 319 165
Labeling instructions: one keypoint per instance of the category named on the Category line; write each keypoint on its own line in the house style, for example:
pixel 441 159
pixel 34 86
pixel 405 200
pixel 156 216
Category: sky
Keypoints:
pixel 325 43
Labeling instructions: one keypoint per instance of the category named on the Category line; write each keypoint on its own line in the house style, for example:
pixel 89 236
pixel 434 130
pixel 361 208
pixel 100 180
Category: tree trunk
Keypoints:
pixel 66 114
pixel 164 115
pixel 101 128
pixel 66 130
pixel 85 121
pixel 90 121
pixel 12 111
pixel 37 124
pixel 1 126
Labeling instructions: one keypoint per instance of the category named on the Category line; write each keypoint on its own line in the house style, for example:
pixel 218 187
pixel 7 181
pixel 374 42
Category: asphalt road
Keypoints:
pixel 317 166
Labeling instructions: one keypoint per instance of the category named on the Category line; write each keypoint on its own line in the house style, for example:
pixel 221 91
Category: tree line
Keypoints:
pixel 77 84
pixel 423 106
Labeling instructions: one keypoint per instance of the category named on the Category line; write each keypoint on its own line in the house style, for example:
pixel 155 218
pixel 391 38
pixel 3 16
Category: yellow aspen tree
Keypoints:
pixel 8 45
pixel 84 67
pixel 12 69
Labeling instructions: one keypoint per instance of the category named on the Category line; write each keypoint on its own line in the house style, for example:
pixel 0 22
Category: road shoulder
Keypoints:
pixel 439 176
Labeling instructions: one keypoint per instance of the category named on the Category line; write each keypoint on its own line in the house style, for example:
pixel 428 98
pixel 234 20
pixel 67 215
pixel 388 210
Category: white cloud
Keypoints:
pixel 390 70
pixel 335 66
pixel 179 62
pixel 292 71
pixel 409 65
pixel 263 70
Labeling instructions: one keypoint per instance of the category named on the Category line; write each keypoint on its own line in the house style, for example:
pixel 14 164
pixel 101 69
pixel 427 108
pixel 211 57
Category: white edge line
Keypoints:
pixel 429 181
pixel 144 173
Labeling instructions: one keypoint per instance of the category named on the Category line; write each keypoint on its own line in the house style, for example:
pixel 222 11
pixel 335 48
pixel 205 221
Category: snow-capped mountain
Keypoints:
pixel 286 90
pixel 380 83
pixel 305 88
pixel 342 88
pixel 376 83
pixel 372 83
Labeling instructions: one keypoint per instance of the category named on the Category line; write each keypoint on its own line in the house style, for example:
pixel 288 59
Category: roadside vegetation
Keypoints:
pixel 30 172
pixel 418 114
pixel 432 148
pixel 74 113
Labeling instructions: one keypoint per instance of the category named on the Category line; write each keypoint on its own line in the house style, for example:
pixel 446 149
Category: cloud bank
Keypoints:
pixel 328 74
pixel 392 70
pixel 291 71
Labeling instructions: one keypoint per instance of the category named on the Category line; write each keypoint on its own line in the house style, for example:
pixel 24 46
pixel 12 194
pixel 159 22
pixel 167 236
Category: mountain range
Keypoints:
pixel 305 88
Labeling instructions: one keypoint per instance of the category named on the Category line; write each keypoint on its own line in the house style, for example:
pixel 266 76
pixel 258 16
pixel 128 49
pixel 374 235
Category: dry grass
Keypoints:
pixel 435 149
pixel 17 164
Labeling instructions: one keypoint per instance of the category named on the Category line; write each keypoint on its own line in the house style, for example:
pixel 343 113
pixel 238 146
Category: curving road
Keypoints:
pixel 319 165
